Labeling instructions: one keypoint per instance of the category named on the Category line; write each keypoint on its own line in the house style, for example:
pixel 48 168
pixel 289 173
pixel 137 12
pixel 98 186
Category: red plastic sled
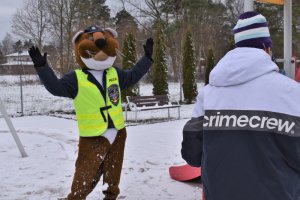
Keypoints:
pixel 184 172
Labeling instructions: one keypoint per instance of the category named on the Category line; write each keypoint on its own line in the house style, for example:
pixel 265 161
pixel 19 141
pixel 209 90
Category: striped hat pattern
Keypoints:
pixel 252 30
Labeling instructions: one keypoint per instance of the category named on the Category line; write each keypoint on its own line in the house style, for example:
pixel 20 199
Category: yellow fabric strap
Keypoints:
pixel 89 101
pixel 87 104
pixel 115 112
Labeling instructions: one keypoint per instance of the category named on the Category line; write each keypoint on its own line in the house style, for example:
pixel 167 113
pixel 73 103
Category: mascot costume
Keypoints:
pixel 96 91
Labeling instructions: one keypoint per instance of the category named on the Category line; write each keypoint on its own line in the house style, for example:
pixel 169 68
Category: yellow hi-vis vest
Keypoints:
pixel 90 106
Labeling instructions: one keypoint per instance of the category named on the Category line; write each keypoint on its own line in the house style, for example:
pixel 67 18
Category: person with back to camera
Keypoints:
pixel 245 126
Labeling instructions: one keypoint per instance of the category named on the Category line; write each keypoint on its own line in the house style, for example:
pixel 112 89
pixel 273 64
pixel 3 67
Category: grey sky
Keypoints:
pixel 9 7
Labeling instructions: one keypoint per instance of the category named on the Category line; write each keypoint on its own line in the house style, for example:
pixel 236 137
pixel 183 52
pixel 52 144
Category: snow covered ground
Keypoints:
pixel 51 144
pixel 38 101
pixel 153 145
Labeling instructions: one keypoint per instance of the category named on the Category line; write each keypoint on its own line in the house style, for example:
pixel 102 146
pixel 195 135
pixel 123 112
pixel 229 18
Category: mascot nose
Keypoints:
pixel 100 43
pixel 99 39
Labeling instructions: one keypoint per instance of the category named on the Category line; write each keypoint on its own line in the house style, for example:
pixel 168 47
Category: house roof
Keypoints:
pixel 17 63
pixel 21 53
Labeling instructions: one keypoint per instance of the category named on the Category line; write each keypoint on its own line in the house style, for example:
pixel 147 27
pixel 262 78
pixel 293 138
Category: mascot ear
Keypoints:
pixel 76 36
pixel 112 32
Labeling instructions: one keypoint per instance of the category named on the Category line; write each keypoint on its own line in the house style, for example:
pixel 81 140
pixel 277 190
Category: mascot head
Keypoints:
pixel 95 48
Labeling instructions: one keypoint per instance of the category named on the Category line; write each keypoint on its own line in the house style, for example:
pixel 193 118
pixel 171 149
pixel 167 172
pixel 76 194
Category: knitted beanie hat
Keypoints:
pixel 252 30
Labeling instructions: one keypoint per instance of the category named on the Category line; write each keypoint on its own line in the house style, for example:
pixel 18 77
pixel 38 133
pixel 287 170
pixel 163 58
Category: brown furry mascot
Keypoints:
pixel 96 91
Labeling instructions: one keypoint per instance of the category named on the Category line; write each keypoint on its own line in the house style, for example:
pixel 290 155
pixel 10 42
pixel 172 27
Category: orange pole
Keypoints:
pixel 278 2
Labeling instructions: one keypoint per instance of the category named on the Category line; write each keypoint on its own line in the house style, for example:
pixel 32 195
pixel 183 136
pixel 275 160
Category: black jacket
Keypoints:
pixel 67 86
pixel 245 130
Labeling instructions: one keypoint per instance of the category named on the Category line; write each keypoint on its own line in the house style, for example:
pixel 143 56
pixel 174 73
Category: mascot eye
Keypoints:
pixel 91 38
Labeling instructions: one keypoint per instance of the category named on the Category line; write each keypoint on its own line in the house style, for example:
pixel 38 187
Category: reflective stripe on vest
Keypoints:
pixel 91 109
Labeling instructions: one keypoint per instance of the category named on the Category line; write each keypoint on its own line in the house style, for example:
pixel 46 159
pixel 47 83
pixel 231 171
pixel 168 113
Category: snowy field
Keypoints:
pixel 153 145
pixel 51 144
pixel 38 101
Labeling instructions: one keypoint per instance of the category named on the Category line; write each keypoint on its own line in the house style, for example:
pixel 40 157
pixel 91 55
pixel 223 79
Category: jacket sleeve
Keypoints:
pixel 63 87
pixel 192 142
pixel 128 78
pixel 191 150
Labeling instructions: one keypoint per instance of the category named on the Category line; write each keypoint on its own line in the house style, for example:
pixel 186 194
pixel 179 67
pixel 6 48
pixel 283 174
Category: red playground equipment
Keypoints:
pixel 297 71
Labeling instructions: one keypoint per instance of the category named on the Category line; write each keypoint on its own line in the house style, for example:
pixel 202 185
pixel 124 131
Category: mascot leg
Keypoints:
pixel 112 166
pixel 91 153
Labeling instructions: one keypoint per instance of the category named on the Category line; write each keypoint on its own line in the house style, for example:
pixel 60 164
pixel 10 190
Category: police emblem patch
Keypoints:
pixel 113 94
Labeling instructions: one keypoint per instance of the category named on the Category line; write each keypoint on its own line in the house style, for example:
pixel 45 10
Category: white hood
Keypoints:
pixel 241 65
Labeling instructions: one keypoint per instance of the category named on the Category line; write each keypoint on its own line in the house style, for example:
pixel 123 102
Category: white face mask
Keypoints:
pixel 98 65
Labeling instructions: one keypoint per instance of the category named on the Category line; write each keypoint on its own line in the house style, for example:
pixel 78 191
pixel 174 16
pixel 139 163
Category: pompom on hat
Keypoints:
pixel 252 30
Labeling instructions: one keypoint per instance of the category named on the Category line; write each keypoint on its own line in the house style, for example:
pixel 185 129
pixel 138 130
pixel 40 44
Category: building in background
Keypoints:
pixel 17 63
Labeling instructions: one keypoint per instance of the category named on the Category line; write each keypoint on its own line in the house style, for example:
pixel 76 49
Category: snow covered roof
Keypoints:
pixel 17 63
pixel 21 53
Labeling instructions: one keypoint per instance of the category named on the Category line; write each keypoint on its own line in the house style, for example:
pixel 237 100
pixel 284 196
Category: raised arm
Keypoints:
pixel 64 87
pixel 192 142
pixel 128 78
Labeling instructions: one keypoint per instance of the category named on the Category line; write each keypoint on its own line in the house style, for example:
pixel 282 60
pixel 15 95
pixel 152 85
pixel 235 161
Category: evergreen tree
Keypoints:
pixel 296 28
pixel 93 12
pixel 274 16
pixel 100 11
pixel 125 19
pixel 18 46
pixel 189 69
pixel 159 69
pixel 125 23
pixel 231 44
pixel 27 44
pixel 210 65
pixel 7 44
pixel 129 59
